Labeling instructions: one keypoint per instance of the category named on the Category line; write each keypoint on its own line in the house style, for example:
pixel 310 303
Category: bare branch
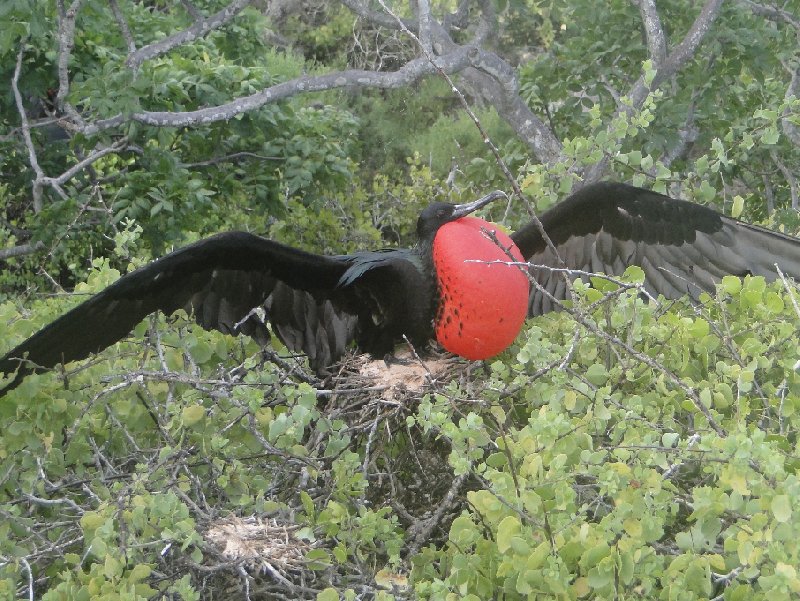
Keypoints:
pixel 200 29
pixel 123 26
pixel 26 131
pixel 421 530
pixel 790 179
pixel 687 135
pixel 684 51
pixel 424 8
pixel 773 13
pixel 22 249
pixel 41 179
pixel 231 158
pixel 382 19
pixel 192 10
pixel 66 41
pixel 81 165
pixel 674 62
pixel 654 32
pixel 408 74
pixel 791 130
pixel 457 19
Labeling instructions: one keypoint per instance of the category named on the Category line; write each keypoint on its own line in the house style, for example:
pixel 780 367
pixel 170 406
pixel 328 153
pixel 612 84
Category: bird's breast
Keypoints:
pixel 483 300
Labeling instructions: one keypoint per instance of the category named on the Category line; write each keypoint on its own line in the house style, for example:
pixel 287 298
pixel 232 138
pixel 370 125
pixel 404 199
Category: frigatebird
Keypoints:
pixel 315 303
pixel 456 284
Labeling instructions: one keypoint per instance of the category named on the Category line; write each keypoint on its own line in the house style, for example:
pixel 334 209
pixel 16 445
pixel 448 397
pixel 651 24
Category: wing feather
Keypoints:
pixel 682 247
pixel 219 280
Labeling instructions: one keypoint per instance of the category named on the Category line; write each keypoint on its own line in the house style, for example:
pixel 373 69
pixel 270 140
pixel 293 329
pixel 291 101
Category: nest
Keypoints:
pixel 262 545
pixel 406 468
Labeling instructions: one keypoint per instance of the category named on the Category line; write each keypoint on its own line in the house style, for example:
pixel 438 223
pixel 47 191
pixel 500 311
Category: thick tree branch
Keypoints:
pixel 424 10
pixel 66 41
pixel 408 74
pixel 654 32
pixel 457 19
pixel 687 134
pixel 198 30
pixel 22 249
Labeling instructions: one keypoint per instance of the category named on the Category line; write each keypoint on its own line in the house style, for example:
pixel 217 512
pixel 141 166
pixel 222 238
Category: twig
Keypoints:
pixel 422 530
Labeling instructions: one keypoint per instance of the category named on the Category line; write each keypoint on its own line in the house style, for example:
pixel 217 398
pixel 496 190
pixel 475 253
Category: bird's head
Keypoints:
pixel 437 214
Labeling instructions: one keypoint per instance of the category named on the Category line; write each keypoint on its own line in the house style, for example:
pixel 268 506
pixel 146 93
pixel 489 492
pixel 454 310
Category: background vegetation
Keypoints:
pixel 622 450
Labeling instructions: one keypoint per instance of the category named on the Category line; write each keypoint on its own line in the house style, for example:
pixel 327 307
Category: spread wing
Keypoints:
pixel 682 247
pixel 219 280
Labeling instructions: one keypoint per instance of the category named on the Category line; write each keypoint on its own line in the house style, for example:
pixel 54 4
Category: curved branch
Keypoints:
pixel 408 74
pixel 123 26
pixel 199 29
pixel 681 54
pixel 773 13
pixel 26 131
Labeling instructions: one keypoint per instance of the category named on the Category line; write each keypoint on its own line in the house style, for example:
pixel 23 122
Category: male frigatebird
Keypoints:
pixel 319 304
pixel 315 303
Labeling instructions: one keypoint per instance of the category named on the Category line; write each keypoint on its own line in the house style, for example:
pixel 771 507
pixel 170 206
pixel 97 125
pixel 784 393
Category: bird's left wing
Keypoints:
pixel 219 280
pixel 683 248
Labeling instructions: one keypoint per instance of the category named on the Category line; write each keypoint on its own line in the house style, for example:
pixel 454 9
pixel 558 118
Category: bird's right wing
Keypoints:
pixel 219 280
pixel 683 248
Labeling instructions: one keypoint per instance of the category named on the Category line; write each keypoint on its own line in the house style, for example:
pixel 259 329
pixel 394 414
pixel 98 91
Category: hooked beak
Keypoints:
pixel 465 209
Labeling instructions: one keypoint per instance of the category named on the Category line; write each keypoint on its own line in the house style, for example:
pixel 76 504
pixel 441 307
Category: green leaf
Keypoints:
pixel 738 206
pixel 634 273
pixel 192 415
pixel 781 508
pixel 669 439
pixel 140 572
pixel 112 568
pixel 201 351
pixel 731 284
pixel 699 328
pixel 463 531
pixel 329 594
pixel 597 374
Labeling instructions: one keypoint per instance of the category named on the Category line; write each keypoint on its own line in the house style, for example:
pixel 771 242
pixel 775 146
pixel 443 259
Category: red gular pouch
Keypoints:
pixel 482 304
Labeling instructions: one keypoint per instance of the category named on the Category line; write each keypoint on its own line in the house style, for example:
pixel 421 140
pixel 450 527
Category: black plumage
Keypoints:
pixel 316 304
pixel 683 248
pixel 320 304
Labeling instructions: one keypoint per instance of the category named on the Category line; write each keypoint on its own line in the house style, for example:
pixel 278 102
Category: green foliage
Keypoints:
pixel 454 140
pixel 592 53
pixel 634 451
pixel 202 179
pixel 605 477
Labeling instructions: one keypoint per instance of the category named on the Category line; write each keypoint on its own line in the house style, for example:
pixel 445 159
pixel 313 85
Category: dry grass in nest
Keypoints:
pixel 263 545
